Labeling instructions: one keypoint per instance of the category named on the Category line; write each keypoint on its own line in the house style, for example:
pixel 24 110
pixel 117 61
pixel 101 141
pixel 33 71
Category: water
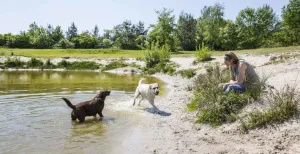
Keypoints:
pixel 34 118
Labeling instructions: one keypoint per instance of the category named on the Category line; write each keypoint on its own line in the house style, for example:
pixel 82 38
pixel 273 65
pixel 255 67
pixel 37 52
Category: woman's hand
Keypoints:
pixel 225 86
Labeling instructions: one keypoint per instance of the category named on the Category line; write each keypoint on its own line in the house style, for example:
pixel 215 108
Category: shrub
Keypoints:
pixel 34 63
pixel 164 67
pixel 156 56
pixel 14 63
pixel 114 65
pixel 78 65
pixel 283 106
pixel 203 54
pixel 83 65
pixel 188 73
pixel 63 64
pixel 49 65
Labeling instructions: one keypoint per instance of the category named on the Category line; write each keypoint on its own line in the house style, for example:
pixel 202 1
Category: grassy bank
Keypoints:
pixel 115 53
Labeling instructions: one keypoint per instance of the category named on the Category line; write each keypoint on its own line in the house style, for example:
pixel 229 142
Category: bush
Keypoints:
pixel 214 106
pixel 203 54
pixel 114 65
pixel 34 63
pixel 164 67
pixel 63 64
pixel 78 65
pixel 14 63
pixel 284 105
pixel 64 44
pixel 156 56
pixel 223 110
pixel 49 65
pixel 188 73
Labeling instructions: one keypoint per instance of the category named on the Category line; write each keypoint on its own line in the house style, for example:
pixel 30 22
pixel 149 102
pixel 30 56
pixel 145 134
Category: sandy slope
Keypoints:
pixel 175 130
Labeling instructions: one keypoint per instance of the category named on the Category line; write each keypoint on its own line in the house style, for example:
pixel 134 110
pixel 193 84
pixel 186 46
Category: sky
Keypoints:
pixel 17 15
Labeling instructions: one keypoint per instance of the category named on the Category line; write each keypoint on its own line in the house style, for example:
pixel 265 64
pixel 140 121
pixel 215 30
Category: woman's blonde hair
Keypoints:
pixel 230 55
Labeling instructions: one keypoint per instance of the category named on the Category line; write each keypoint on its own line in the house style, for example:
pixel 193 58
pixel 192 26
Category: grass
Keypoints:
pixel 214 106
pixel 187 73
pixel 115 53
pixel 284 105
pixel 114 65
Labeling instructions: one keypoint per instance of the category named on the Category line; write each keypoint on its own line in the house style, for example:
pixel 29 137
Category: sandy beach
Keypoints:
pixel 175 131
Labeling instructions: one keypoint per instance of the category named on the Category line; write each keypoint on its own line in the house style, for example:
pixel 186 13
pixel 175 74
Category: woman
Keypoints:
pixel 243 76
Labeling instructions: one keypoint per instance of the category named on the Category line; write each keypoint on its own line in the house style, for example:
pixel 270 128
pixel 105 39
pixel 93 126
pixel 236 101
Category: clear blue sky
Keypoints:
pixel 16 15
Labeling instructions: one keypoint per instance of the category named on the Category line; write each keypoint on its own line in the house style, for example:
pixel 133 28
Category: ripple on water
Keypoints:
pixel 33 123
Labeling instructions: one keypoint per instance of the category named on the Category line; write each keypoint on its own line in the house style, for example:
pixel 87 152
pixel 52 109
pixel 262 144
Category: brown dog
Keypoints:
pixel 88 108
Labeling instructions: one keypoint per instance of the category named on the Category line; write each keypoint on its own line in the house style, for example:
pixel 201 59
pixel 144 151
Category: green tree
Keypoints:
pixel 256 27
pixel 163 32
pixel 2 40
pixel 209 25
pixel 126 35
pixel 72 31
pixel 57 34
pixel 265 24
pixel 96 31
pixel 85 40
pixel 291 20
pixel 22 41
pixel 107 43
pixel 228 36
pixel 186 31
pixel 247 33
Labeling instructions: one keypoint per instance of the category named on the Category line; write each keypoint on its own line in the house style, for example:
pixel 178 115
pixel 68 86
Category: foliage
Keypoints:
pixel 85 40
pixel 188 73
pixel 253 28
pixel 203 54
pixel 72 31
pixel 215 107
pixel 34 63
pixel 157 55
pixel 209 25
pixel 186 31
pixel 14 63
pixel 163 33
pixel 284 105
pixel 114 65
pixel 291 19
pixel 78 65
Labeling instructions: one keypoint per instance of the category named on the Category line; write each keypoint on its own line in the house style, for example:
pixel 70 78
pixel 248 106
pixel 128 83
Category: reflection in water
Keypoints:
pixel 42 122
pixel 34 118
pixel 51 81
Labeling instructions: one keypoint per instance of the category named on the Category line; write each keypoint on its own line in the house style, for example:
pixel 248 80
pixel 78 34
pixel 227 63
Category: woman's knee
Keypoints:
pixel 235 88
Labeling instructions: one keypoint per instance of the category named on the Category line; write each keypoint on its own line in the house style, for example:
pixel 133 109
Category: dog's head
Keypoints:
pixel 103 94
pixel 154 88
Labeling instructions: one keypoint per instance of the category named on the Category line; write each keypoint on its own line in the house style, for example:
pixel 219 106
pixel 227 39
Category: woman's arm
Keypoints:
pixel 241 75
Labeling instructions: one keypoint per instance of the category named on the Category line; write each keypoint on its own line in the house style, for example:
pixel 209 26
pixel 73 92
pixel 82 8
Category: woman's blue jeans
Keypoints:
pixel 240 88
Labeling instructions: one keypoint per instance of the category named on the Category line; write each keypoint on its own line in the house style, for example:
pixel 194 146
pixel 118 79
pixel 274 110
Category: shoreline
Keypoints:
pixel 175 131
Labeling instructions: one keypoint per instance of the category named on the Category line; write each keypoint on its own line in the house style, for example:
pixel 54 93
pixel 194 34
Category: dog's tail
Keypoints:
pixel 69 103
pixel 142 80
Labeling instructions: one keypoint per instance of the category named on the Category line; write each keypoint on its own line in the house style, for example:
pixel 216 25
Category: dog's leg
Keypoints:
pixel 153 105
pixel 141 100
pixel 73 116
pixel 100 114
pixel 136 95
pixel 81 117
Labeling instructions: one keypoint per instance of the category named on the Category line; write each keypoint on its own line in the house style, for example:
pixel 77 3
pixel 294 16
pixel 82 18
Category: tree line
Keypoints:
pixel 252 28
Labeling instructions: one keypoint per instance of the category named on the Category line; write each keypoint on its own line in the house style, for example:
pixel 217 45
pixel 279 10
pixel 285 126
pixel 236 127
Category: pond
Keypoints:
pixel 34 118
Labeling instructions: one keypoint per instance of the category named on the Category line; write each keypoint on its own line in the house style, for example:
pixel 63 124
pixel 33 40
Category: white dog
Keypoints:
pixel 147 91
